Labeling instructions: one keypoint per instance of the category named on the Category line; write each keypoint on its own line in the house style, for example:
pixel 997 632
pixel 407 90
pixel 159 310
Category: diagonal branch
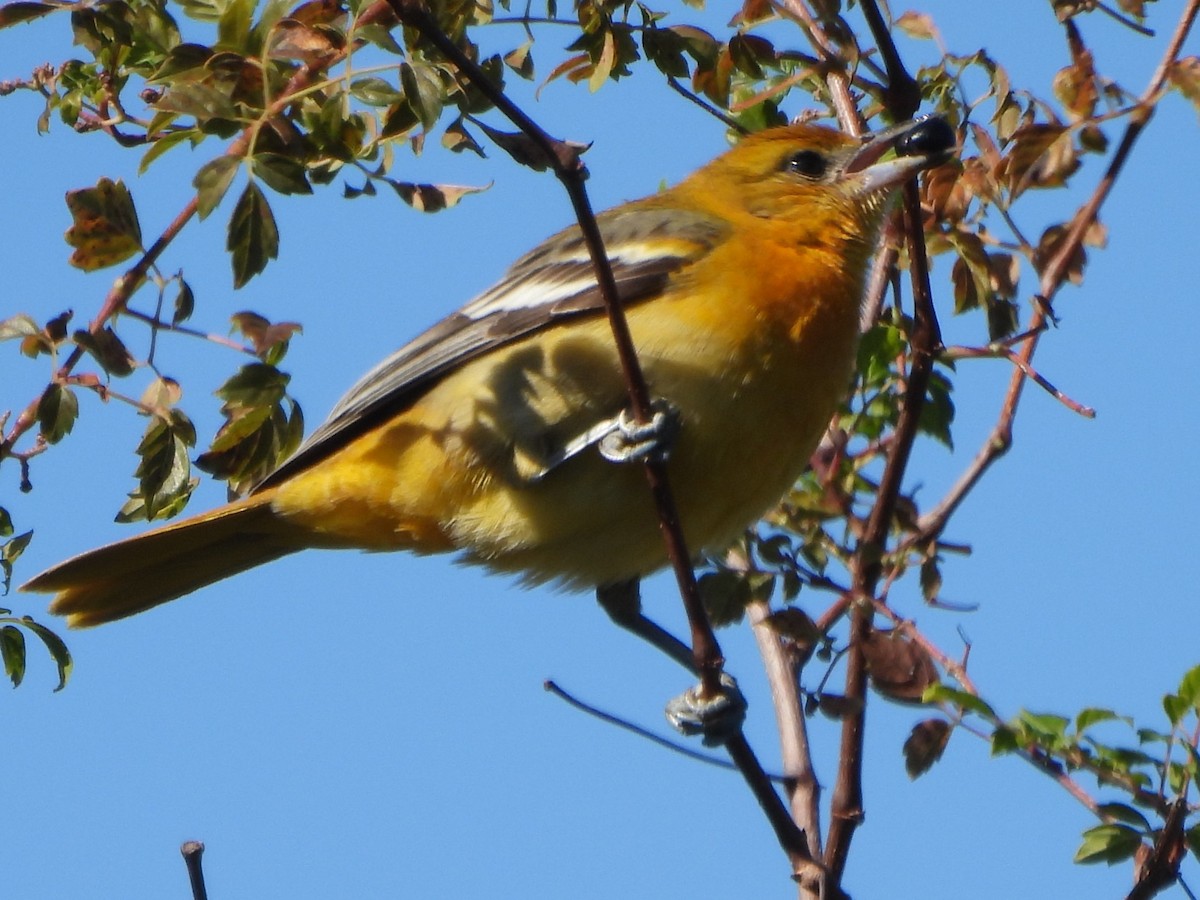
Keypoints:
pixel 563 158
pixel 1053 276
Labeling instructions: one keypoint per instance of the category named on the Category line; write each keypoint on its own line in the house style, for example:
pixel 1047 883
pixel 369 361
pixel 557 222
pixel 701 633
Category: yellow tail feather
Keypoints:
pixel 138 573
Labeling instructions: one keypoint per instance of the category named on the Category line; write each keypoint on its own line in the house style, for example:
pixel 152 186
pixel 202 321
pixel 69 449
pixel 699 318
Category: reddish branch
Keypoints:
pixel 563 158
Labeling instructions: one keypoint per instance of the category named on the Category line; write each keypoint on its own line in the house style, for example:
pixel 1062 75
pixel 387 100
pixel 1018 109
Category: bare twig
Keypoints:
pixel 1031 373
pixel 802 786
pixel 682 749
pixel 192 851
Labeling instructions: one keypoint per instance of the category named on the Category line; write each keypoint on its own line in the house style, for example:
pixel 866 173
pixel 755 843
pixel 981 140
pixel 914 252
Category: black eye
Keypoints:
pixel 808 163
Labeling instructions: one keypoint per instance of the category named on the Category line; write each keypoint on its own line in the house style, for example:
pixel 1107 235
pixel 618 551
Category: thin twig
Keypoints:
pixel 802 786
pixel 682 749
pixel 952 353
pixel 693 97
pixel 563 158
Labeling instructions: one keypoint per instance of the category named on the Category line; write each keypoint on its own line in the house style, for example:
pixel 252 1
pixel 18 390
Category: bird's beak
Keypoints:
pixel 909 148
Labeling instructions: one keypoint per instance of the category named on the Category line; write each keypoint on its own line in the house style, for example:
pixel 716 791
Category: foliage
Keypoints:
pixel 284 99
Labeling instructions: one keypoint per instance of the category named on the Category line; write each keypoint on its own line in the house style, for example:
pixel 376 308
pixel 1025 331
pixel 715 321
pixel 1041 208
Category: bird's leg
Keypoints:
pixel 692 712
pixel 620 439
pixel 627 440
pixel 623 604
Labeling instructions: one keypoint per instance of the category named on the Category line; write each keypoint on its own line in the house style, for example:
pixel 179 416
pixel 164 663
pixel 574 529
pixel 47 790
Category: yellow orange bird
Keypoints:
pixel 485 435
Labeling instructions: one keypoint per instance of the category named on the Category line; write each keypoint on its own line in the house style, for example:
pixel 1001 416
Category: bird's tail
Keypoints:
pixel 141 572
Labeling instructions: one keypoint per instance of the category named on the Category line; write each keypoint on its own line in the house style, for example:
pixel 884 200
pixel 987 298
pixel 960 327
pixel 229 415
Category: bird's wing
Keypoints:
pixel 555 281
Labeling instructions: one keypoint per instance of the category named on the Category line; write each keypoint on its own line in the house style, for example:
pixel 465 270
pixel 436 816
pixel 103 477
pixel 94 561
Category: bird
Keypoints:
pixel 493 434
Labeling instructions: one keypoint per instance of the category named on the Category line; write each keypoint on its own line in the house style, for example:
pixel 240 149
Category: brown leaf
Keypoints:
pixel 433 197
pixel 293 39
pixel 262 333
pixel 925 746
pixel 108 349
pixel 1040 155
pixel 918 25
pixel 900 669
pixel 1184 75
pixel 1075 86
pixel 104 229
pixel 837 706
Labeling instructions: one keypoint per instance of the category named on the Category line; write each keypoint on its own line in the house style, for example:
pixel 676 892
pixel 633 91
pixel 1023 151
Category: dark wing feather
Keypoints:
pixel 548 285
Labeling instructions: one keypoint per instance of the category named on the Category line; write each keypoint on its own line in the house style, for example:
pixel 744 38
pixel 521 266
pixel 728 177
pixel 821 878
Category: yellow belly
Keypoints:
pixel 755 390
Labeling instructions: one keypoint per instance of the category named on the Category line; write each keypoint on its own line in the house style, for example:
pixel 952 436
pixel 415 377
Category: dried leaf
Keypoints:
pixel 900 669
pixel 1184 76
pixel 269 339
pixel 433 197
pixel 105 228
pixel 918 25
pixel 107 349
pixel 925 746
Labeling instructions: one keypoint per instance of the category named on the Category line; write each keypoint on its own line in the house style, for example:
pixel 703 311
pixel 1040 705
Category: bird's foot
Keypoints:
pixel 628 440
pixel 715 718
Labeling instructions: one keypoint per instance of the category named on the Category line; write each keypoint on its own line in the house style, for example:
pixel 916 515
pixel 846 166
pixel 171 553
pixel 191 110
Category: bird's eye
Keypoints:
pixel 808 163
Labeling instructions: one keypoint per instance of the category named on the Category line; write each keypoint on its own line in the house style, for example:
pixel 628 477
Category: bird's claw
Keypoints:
pixel 628 440
pixel 716 718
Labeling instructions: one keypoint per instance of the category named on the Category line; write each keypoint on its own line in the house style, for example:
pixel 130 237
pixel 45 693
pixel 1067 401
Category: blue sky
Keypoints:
pixel 347 725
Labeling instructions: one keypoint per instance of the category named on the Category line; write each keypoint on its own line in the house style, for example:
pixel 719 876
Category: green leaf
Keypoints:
pixel 258 433
pixel 179 59
pixel 941 693
pixel 104 225
pixel 1175 707
pixel 1111 843
pixel 374 92
pixel 233 27
pixel 1124 813
pixel 16 13
pixel 185 303
pixel 6 524
pixel 1189 688
pixel 937 413
pixel 423 91
pixel 164 470
pixel 54 644
pixel 12 649
pixel 1044 724
pixel 253 235
pixel 10 552
pixel 56 412
pixel 1004 740
pixel 1093 716
pixel 724 595
pixel 1192 836
pixel 281 173
pixel 931 579
pixel 212 181
pixel 164 143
